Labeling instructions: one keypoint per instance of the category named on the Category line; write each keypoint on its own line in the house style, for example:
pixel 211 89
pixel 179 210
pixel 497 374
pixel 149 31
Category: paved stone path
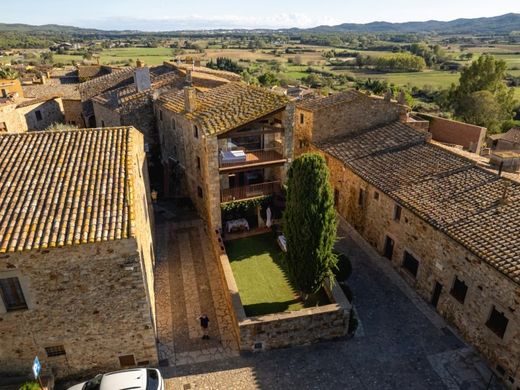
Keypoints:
pixel 187 284
pixel 402 344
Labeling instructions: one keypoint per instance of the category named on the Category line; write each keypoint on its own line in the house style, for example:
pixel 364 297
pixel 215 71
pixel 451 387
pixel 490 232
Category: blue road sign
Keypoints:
pixel 36 367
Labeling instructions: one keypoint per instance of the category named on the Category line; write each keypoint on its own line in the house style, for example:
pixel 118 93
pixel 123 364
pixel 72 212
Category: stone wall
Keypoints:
pixel 471 137
pixel 88 298
pixel 440 260
pixel 363 112
pixel 143 218
pixel 51 112
pixel 287 329
pixel 106 117
pixel 11 119
pixel 73 112
pixel 11 87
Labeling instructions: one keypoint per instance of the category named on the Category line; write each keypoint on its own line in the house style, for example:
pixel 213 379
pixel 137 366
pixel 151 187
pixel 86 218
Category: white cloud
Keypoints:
pixel 200 22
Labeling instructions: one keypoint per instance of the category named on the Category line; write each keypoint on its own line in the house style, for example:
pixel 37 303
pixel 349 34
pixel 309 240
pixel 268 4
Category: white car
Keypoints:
pixel 135 379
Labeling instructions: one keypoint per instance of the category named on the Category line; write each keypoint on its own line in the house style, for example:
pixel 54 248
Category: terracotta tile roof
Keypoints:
pixel 91 71
pixel 315 103
pixel 98 85
pixel 65 187
pixel 446 190
pixel 42 99
pixel 226 107
pixel 69 90
pixel 513 135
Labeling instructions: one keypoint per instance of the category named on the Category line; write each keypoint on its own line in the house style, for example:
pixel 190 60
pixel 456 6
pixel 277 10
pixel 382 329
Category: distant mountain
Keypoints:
pixel 503 24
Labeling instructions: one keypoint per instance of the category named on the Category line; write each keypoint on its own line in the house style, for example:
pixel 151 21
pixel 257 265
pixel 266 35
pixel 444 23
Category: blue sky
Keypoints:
pixel 160 15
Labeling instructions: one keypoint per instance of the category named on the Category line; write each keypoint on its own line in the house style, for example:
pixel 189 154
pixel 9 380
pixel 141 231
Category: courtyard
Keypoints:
pixel 401 343
pixel 257 264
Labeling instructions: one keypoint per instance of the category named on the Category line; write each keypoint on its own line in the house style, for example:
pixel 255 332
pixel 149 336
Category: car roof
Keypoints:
pixel 124 380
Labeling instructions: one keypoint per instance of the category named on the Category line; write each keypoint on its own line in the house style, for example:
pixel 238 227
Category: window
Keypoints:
pixel 12 294
pixel 173 124
pixel 198 163
pixel 497 322
pixel 3 127
pixel 196 132
pixel 397 212
pixel 160 115
pixel 199 192
pixel 57 350
pixel 376 195
pixel 361 198
pixel 302 119
pixel 410 264
pixel 336 196
pixel 102 123
pixel 4 92
pixel 127 360
pixel 459 290
pixel 38 114
pixel 389 248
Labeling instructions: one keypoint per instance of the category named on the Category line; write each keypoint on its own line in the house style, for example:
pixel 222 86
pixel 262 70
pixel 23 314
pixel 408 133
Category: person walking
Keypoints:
pixel 204 323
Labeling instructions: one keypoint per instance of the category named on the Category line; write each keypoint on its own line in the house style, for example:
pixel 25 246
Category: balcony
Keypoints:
pixel 249 191
pixel 233 159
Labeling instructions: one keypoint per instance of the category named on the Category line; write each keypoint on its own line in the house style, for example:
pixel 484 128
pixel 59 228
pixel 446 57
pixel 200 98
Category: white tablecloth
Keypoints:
pixel 231 156
pixel 240 223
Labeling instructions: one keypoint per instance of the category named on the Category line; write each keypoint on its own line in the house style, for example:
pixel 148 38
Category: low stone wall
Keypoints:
pixel 285 329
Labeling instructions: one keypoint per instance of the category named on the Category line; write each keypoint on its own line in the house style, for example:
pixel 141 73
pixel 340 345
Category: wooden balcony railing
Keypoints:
pixel 250 191
pixel 251 158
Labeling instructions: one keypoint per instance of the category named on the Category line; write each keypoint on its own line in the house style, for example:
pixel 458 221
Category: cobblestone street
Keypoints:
pixel 401 344
pixel 187 284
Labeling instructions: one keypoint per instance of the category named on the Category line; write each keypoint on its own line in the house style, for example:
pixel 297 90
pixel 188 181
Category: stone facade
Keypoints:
pixel 357 111
pixel 94 299
pixel 72 111
pixel 471 137
pixel 10 87
pixel 51 111
pixel 31 115
pixel 10 119
pixel 89 299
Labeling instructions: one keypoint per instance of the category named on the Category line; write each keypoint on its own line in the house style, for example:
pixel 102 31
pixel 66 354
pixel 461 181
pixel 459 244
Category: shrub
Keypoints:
pixel 344 267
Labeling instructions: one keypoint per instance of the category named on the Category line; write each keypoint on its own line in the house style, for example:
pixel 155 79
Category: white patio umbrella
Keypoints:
pixel 269 222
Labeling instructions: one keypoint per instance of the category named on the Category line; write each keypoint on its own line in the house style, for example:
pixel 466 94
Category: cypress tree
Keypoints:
pixel 309 223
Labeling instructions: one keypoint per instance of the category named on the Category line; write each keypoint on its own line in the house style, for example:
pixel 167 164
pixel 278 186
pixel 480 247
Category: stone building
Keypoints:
pixel 10 87
pixel 63 83
pixel 508 141
pixel 76 252
pixel 448 226
pixel 225 144
pixel 30 114
pixel 132 105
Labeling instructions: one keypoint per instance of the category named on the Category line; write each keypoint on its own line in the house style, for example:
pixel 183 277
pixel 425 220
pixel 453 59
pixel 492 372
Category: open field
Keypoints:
pixel 263 285
pixel 150 56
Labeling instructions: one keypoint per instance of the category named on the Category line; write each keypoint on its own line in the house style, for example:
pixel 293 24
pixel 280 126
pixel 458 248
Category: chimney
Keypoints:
pixel 138 63
pixel 505 194
pixel 190 99
pixel 189 78
pixel 142 79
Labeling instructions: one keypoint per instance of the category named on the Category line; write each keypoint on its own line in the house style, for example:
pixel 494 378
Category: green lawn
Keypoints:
pixel 263 285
